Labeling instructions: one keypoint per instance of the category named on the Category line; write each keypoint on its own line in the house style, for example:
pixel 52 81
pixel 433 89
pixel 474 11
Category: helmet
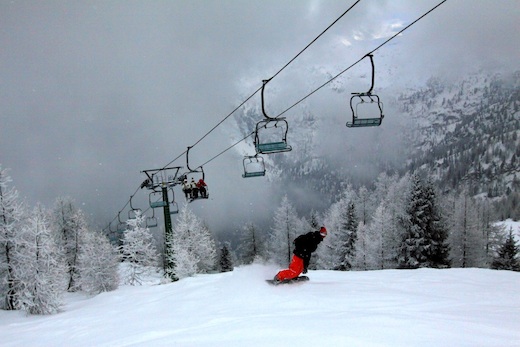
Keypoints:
pixel 323 231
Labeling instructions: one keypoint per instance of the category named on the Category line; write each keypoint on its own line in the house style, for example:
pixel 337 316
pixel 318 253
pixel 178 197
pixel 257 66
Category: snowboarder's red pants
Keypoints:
pixel 295 268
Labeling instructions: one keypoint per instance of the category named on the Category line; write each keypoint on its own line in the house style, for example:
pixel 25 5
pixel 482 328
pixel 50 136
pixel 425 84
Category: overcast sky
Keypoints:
pixel 94 92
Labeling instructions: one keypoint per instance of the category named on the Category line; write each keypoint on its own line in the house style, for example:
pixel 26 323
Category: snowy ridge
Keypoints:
pixel 426 307
pixel 467 131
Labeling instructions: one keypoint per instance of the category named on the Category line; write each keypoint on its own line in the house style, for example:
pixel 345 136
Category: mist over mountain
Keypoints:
pixel 460 131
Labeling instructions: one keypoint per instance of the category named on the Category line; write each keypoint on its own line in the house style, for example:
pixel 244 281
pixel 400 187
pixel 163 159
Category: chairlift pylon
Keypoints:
pixel 254 166
pixel 271 133
pixel 358 100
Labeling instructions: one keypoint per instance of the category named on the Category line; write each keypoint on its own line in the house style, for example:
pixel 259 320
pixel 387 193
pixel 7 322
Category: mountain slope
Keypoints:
pixel 426 307
pixel 467 132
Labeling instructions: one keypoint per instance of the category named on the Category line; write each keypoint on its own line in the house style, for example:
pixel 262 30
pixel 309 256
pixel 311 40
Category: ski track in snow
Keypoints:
pixel 425 307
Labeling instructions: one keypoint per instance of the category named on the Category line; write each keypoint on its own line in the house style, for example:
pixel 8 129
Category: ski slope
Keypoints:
pixel 425 307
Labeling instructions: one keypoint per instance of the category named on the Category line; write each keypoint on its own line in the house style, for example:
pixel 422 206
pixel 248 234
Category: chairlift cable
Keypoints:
pixel 276 74
pixel 299 101
pixel 351 66
pixel 227 149
pixel 315 39
pixel 333 78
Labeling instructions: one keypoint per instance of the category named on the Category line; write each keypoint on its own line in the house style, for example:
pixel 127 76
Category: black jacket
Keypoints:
pixel 305 244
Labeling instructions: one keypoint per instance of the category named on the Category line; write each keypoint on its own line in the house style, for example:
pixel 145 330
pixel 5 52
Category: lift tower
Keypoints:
pixel 160 181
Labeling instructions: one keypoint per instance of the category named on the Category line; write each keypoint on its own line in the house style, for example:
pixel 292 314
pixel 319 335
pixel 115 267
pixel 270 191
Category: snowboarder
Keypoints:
pixel 304 246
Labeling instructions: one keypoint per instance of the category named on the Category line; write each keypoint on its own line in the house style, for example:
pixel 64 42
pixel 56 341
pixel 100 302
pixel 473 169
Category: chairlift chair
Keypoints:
pixel 359 100
pixel 369 103
pixel 156 200
pixel 121 227
pixel 193 174
pixel 133 212
pixel 254 166
pixel 174 207
pixel 151 222
pixel 271 133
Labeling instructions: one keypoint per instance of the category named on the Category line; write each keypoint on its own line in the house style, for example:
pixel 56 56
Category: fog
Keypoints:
pixel 93 93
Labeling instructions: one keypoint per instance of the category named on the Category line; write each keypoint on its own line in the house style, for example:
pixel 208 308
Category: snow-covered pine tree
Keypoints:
pixel 138 251
pixel 286 226
pixel 424 241
pixel 194 247
pixel 38 271
pixel 11 212
pixel 414 241
pixel 98 264
pixel 507 257
pixel 225 261
pixel 437 254
pixel 347 235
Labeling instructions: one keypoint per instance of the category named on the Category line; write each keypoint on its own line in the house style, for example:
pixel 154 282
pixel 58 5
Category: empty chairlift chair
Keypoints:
pixel 367 109
pixel 271 133
pixel 254 166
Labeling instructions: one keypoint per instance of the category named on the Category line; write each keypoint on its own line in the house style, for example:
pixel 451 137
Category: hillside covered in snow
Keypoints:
pixel 426 307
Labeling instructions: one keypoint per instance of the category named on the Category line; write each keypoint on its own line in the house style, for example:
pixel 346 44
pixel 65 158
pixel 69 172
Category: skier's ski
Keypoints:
pixel 293 280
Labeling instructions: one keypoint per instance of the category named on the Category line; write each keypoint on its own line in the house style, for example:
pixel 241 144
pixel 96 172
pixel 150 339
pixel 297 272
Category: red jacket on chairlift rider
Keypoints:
pixel 304 246
pixel 202 187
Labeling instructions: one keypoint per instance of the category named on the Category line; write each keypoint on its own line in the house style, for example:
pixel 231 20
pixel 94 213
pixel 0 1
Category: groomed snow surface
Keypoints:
pixel 425 307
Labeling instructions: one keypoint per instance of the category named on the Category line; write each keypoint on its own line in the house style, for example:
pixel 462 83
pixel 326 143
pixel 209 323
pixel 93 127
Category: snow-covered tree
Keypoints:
pixel 98 264
pixel 368 247
pixel 347 233
pixel 11 212
pixel 67 223
pixel 250 248
pixel 38 271
pixel 507 257
pixel 138 250
pixel 436 232
pixel 194 247
pixel 286 226
pixel 338 249
pixel 225 259
pixel 466 238
pixel 424 241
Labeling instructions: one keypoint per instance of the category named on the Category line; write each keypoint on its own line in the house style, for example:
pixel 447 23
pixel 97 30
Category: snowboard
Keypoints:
pixel 293 280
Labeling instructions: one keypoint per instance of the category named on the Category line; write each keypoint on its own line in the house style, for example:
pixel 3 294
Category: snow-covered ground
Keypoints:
pixel 425 307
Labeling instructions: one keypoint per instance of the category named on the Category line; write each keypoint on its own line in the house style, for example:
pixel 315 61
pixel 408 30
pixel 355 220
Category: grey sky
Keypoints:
pixel 93 92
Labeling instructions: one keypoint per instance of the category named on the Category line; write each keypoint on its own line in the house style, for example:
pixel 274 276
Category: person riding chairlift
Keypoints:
pixel 201 185
pixel 194 189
